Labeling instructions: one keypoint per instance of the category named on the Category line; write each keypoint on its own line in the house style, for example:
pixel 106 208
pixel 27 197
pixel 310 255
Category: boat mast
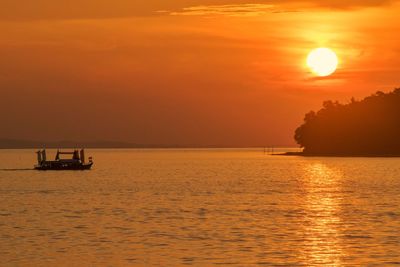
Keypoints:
pixel 39 156
pixel 44 158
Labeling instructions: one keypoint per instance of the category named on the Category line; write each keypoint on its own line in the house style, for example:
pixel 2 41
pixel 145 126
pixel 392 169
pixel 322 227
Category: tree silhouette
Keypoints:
pixel 367 127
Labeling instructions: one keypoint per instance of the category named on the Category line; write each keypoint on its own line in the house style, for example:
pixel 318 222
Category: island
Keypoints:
pixel 369 127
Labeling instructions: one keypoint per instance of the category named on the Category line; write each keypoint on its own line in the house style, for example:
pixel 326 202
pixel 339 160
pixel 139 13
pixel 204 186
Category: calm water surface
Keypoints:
pixel 200 207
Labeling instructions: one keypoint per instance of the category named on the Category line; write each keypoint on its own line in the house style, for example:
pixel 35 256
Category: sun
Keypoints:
pixel 322 61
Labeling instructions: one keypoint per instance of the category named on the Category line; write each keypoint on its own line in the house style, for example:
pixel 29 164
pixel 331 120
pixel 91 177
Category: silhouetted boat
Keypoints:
pixel 77 162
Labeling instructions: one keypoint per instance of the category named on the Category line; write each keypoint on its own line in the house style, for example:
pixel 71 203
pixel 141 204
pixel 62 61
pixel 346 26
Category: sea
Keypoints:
pixel 200 207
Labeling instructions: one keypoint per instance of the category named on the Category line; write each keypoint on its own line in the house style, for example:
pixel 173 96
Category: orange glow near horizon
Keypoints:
pixel 168 72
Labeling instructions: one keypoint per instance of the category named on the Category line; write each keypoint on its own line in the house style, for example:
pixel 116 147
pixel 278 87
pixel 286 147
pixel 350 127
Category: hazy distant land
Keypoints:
pixel 27 144
pixel 6 143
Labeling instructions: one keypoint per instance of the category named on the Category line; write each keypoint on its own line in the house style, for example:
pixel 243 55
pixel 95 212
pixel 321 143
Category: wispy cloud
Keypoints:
pixel 237 10
pixel 105 9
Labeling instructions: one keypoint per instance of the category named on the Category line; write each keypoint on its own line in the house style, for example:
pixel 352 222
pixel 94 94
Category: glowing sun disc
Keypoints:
pixel 322 61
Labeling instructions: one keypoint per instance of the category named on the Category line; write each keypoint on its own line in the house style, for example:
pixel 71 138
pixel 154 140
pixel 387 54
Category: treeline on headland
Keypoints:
pixel 370 127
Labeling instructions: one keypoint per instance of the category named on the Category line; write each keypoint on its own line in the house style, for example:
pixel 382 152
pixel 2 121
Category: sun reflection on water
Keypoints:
pixel 322 216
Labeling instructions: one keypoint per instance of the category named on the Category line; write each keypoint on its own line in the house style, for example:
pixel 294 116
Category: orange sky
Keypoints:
pixel 185 72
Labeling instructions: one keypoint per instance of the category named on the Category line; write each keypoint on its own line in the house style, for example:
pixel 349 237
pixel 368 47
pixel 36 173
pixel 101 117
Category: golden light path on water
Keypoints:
pixel 322 237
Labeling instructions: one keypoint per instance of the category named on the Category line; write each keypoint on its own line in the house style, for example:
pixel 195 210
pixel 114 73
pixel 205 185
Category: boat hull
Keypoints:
pixel 55 166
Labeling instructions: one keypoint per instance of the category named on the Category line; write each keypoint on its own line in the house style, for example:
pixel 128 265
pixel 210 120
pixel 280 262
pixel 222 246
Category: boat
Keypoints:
pixel 77 162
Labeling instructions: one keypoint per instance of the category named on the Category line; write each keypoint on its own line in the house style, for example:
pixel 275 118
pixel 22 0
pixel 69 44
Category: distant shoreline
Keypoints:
pixel 261 149
pixel 8 143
